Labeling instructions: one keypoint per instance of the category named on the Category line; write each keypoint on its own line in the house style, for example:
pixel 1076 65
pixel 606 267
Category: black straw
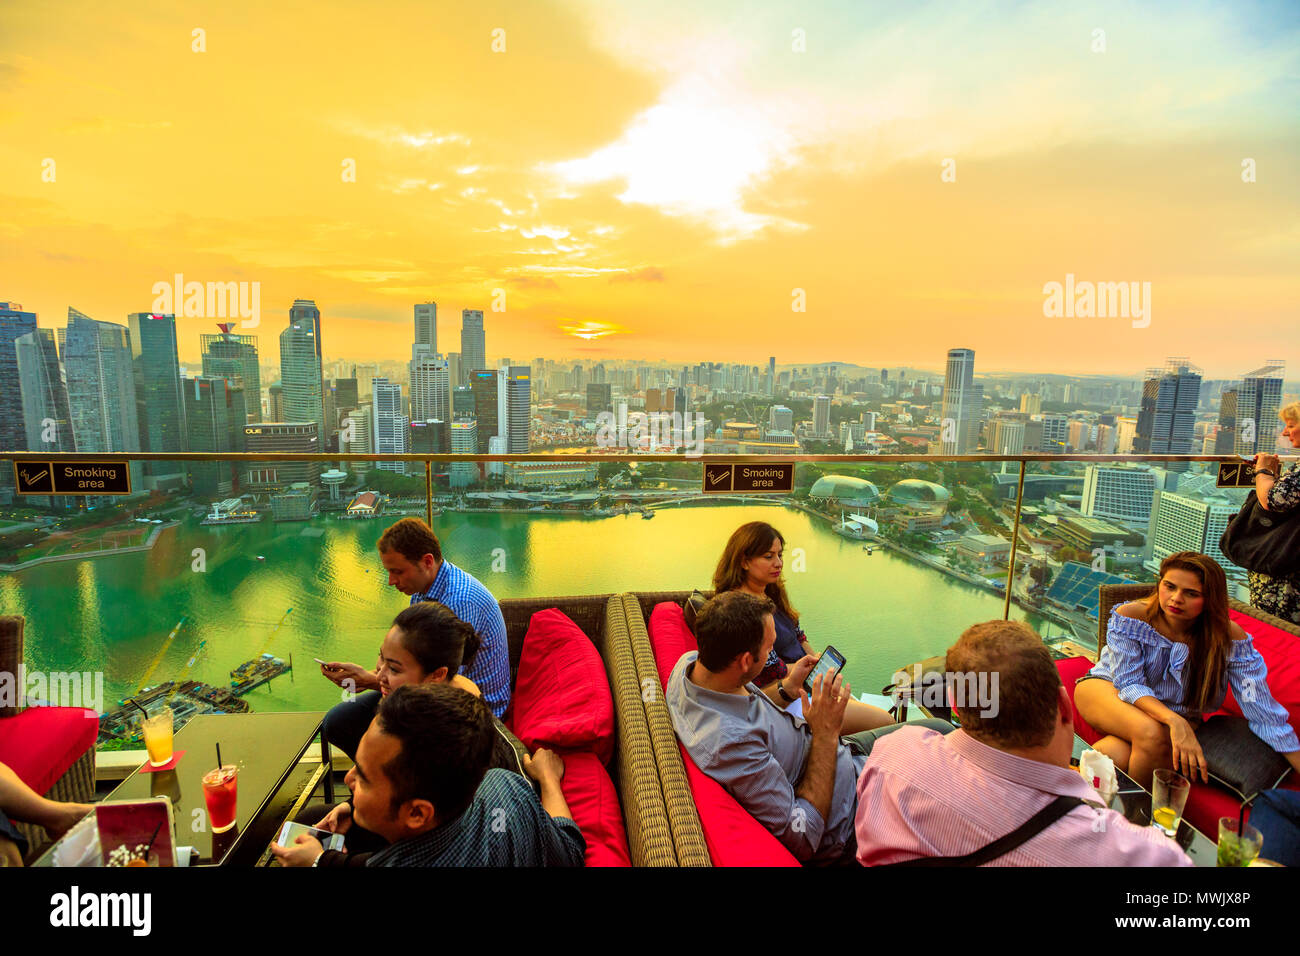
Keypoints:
pixel 219 756
pixel 152 838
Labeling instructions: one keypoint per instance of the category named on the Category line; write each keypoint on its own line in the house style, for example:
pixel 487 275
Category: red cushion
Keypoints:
pixel 1071 669
pixel 561 699
pixel 42 743
pixel 1281 653
pixel 593 801
pixel 733 837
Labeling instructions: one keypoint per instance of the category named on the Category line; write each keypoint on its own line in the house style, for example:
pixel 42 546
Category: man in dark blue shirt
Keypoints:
pixel 421 782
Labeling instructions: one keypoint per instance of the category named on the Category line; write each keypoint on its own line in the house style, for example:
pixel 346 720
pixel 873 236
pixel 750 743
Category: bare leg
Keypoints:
pixel 1116 749
pixel 1148 739
pixel 859 716
pixel 21 802
pixel 9 855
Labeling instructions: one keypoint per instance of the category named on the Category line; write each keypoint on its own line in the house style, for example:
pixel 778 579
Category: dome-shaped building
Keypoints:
pixel 845 491
pixel 916 494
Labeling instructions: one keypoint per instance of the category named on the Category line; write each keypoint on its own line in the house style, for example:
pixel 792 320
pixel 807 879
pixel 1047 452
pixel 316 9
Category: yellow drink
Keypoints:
pixel 1166 819
pixel 158 737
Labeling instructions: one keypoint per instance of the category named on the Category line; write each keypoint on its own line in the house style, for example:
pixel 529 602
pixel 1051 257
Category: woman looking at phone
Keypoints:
pixel 752 561
pixel 1169 659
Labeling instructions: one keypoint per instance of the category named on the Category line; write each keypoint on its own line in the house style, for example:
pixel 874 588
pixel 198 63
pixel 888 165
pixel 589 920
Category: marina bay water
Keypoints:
pixel 321 592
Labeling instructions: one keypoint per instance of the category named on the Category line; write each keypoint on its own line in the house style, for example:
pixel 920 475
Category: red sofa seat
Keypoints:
pixel 733 837
pixel 42 743
pixel 1281 653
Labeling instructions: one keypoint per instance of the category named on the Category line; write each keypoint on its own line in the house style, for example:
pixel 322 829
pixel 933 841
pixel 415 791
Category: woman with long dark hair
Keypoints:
pixel 1169 659
pixel 753 561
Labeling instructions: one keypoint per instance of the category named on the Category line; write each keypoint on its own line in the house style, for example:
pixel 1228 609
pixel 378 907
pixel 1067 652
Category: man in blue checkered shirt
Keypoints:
pixel 411 554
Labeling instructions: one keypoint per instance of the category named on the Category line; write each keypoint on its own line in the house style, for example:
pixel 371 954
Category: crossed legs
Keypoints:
pixel 1137 742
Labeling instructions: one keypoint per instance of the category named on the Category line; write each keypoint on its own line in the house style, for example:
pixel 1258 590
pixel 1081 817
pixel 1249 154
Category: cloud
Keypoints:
pixel 532 282
pixel 590 329
pixel 648 274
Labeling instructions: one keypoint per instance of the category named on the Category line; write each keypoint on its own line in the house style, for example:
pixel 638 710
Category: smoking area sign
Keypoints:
pixel 72 477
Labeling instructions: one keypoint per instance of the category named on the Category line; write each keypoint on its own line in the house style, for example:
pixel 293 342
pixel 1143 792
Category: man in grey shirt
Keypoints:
pixel 795 775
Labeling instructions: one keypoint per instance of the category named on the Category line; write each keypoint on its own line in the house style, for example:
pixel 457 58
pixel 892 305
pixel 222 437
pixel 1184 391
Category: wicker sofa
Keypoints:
pixel 52 749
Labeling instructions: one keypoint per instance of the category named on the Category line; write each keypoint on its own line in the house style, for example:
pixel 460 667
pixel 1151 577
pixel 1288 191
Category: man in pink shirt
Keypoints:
pixel 925 794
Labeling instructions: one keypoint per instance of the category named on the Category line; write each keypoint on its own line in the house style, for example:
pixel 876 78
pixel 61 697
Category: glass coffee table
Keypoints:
pixel 1135 804
pixel 268 749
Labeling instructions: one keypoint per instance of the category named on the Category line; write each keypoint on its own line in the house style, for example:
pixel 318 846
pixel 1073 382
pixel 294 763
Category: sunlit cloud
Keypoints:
pixel 590 329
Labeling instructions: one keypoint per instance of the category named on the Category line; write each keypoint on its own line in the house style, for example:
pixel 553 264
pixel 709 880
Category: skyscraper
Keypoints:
pixel 345 393
pixel 962 405
pixel 1117 492
pixel 462 402
pixel 1167 415
pixel 464 441
pixel 101 384
pixel 14 323
pixel 300 366
pixel 822 416
pixel 391 424
pixel 1225 439
pixel 771 375
pixel 215 416
pixel 1183 523
pixel 426 325
pixel 600 398
pixel 45 400
pixel 159 405
pixel 473 343
pixel 1258 399
pixel 484 383
pixel 430 385
pixel 517 395
pixel 780 419
pixel 230 355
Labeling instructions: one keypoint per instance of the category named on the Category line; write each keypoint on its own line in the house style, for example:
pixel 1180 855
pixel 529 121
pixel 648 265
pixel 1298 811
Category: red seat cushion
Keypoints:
pixel 733 837
pixel 41 743
pixel 1281 653
pixel 1071 669
pixel 593 801
pixel 561 699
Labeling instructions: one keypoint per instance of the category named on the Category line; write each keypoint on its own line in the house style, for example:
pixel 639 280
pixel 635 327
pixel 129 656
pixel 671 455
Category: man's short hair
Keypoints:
pixel 729 625
pixel 1026 707
pixel 412 539
pixel 446 735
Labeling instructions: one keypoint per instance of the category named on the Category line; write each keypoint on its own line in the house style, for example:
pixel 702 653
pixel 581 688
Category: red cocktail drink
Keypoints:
pixel 219 788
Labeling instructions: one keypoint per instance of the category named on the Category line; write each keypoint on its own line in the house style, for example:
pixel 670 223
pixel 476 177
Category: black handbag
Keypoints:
pixel 1238 759
pixel 1263 541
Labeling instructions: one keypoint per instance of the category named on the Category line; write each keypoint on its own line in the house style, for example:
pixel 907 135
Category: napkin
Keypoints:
pixel 1099 770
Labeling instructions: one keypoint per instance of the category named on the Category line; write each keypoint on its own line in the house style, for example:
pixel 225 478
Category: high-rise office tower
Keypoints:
pixel 159 406
pixel 1168 411
pixel 1126 434
pixel 300 367
pixel 14 323
pixel 215 418
pixel 1117 492
pixel 345 393
pixel 464 441
pixel 429 437
pixel 473 343
pixel 1031 404
pixel 598 374
pixel 515 414
pixel 484 383
pixel 1259 396
pixel 391 424
pixel 462 402
pixel 962 404
pixel 822 416
pixel 231 355
pixel 270 437
pixel 600 398
pixel 771 375
pixel 578 378
pixel 1183 523
pixel 1225 439
pixel 101 384
pixel 44 398
pixel 455 375
pixel 426 325
pixel 275 403
pixel 780 419
pixel 1008 435
pixel 430 385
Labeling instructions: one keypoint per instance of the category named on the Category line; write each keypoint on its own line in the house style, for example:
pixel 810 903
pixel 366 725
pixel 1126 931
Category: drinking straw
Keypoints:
pixel 138 707
pixel 149 846
pixel 218 756
pixel 1241 822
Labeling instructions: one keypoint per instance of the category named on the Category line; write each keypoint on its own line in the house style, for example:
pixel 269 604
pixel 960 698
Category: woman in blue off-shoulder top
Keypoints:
pixel 1168 659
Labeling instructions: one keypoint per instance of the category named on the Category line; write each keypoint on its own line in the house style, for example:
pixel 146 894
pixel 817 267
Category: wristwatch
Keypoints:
pixel 780 689
pixel 1265 471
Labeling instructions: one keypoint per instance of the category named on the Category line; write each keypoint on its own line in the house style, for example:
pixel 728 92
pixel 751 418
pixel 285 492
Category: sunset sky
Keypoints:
pixel 654 179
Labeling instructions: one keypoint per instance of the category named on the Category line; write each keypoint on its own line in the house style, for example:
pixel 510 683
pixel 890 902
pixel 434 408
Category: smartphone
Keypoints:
pixel 321 662
pixel 289 832
pixel 829 664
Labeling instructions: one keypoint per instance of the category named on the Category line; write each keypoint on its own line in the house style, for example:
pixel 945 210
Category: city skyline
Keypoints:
pixel 724 176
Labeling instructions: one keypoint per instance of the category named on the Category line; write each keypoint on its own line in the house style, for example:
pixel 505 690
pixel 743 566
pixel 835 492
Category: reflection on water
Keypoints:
pixel 881 610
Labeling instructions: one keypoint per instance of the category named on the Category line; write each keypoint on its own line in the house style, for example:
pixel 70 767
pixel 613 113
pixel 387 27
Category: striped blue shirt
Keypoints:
pixel 475 605
pixel 1142 662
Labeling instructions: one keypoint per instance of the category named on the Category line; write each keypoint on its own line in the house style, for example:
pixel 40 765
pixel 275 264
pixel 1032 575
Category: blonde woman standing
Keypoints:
pixel 1279 491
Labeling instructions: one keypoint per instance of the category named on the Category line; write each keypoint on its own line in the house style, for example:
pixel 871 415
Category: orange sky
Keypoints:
pixel 665 174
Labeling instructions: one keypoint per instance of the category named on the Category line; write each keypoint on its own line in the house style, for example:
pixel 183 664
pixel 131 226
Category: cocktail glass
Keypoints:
pixel 219 792
pixel 1169 790
pixel 1238 848
pixel 157 730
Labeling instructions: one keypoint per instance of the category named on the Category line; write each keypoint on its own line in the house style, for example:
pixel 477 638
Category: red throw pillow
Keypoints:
pixel 670 638
pixel 41 743
pixel 561 699
pixel 593 801
pixel 1281 653
pixel 1071 669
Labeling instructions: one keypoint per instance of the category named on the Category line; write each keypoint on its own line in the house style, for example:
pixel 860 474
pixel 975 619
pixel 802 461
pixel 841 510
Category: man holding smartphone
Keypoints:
pixel 796 776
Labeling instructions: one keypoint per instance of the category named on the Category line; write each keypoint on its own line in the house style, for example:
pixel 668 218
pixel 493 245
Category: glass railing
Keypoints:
pixel 221 578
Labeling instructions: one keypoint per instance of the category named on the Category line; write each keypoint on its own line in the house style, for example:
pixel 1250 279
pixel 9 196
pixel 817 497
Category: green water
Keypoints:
pixel 114 613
